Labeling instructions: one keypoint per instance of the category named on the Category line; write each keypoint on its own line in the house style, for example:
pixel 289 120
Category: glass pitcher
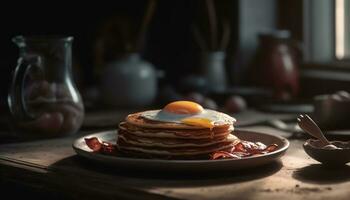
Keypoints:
pixel 43 99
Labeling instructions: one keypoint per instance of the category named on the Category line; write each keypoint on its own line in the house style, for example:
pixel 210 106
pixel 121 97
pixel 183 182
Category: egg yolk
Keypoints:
pixel 202 122
pixel 183 107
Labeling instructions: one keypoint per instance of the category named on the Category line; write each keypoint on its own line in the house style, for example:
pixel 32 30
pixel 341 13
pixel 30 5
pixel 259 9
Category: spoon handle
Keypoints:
pixel 315 133
pixel 309 126
pixel 317 129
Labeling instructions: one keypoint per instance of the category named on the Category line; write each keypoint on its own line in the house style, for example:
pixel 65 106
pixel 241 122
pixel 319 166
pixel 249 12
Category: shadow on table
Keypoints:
pixel 320 174
pixel 153 178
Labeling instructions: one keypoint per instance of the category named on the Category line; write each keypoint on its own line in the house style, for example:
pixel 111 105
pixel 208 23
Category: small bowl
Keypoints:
pixel 332 157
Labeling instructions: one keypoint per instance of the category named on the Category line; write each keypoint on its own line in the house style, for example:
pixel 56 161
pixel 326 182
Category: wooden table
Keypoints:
pixel 53 166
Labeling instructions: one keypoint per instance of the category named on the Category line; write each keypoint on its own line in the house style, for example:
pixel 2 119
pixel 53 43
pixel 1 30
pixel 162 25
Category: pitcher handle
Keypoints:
pixel 15 99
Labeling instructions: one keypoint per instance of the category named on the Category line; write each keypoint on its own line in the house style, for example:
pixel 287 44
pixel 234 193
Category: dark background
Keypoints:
pixel 168 44
pixel 169 41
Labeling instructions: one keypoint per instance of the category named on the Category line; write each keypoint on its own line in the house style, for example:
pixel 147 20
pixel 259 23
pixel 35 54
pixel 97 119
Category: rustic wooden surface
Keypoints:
pixel 52 165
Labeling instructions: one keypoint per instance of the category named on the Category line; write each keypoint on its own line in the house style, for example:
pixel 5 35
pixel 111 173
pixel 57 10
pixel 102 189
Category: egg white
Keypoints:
pixel 212 115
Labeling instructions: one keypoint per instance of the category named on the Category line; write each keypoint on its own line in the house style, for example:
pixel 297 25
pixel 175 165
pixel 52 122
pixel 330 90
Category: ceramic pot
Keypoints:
pixel 213 70
pixel 276 64
pixel 128 82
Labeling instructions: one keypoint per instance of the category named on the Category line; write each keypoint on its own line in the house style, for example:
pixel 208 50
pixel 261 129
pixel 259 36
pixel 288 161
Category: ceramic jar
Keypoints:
pixel 213 70
pixel 128 82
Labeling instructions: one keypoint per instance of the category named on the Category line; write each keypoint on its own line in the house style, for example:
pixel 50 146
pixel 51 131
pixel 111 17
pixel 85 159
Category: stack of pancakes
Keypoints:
pixel 144 138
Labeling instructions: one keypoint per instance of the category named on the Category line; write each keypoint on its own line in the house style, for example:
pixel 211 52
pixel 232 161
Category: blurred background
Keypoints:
pixel 230 55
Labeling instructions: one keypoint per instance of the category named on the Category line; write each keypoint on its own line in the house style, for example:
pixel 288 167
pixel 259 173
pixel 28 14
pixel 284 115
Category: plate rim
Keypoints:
pixel 82 152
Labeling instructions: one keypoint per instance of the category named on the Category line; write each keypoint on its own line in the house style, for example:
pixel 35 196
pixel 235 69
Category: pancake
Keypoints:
pixel 171 142
pixel 176 133
pixel 149 135
pixel 179 151
pixel 137 120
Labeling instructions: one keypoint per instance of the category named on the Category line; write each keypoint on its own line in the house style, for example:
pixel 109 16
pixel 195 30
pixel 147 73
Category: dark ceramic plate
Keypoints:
pixel 185 165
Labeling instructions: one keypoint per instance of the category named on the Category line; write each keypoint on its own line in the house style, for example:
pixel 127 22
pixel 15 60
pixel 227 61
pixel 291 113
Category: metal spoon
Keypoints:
pixel 309 126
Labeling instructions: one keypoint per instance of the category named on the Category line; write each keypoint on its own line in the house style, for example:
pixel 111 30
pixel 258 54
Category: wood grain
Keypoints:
pixel 53 165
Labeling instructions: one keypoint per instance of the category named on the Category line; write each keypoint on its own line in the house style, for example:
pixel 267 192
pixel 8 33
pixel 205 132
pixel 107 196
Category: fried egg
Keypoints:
pixel 189 113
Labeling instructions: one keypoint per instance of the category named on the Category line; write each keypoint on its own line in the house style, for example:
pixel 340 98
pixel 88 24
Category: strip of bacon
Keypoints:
pixel 108 148
pixel 97 146
pixel 93 143
pixel 271 148
pixel 244 149
pixel 223 155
